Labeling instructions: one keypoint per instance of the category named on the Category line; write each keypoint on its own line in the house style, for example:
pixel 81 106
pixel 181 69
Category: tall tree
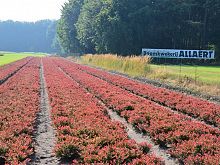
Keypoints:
pixel 126 26
pixel 85 24
pixel 27 36
pixel 66 31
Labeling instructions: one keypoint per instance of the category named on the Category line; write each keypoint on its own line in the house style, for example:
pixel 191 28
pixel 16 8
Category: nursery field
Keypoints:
pixel 205 74
pixel 54 111
pixel 202 79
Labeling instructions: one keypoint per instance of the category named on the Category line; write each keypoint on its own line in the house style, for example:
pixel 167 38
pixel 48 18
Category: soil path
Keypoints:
pixel 45 134
pixel 2 81
pixel 196 119
pixel 138 137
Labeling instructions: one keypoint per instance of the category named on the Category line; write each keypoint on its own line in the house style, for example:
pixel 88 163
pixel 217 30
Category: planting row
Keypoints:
pixel 9 70
pixel 85 133
pixel 189 141
pixel 195 107
pixel 19 104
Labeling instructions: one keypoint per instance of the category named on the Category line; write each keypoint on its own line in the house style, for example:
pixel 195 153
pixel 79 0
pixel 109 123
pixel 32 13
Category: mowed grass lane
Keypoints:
pixel 6 58
pixel 203 74
pixel 203 79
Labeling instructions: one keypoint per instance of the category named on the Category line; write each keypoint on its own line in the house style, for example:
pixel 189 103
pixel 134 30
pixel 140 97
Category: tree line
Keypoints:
pixel 37 36
pixel 126 26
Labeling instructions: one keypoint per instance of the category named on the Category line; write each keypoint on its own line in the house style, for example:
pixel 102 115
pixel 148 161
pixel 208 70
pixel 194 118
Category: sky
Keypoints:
pixel 30 10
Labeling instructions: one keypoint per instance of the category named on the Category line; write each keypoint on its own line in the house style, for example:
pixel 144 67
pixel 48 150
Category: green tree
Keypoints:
pixel 126 26
pixel 27 36
pixel 66 31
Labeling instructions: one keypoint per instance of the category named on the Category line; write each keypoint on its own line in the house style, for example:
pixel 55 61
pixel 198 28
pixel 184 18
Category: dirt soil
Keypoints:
pixel 44 134
pixel 132 133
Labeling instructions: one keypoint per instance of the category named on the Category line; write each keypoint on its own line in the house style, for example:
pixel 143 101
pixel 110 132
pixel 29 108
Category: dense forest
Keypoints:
pixel 126 26
pixel 28 36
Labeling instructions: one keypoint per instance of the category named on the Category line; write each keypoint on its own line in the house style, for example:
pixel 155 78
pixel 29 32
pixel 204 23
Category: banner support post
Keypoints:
pixel 180 71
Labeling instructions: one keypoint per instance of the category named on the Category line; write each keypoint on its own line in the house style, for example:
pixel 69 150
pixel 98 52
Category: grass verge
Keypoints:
pixel 134 66
pixel 6 57
pixel 204 79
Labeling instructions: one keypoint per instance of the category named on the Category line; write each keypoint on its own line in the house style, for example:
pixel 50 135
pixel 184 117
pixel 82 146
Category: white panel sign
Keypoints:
pixel 174 53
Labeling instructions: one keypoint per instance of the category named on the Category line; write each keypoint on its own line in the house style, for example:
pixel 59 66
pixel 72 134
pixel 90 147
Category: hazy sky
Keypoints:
pixel 30 10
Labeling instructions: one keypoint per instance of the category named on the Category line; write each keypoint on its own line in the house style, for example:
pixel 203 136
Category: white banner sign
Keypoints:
pixel 174 53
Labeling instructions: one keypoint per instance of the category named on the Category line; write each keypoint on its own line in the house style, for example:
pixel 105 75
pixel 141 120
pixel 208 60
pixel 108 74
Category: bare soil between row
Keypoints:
pixel 131 131
pixel 44 136
pixel 2 81
pixel 162 105
pixel 157 83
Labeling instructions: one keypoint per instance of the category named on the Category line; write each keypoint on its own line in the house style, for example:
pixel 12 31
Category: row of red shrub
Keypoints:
pixel 195 107
pixel 8 70
pixel 19 103
pixel 189 141
pixel 85 133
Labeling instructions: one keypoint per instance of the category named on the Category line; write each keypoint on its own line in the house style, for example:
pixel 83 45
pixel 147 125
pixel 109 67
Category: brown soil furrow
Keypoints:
pixel 171 109
pixel 159 84
pixel 138 137
pixel 2 81
pixel 45 134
